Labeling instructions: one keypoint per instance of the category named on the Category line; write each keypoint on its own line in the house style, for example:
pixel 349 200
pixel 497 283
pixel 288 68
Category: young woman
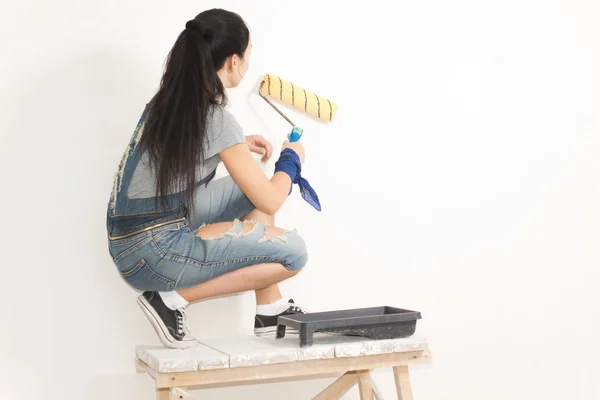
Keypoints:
pixel 174 232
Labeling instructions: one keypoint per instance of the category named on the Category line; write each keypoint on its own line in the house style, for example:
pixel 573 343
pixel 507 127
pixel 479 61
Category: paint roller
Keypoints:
pixel 302 99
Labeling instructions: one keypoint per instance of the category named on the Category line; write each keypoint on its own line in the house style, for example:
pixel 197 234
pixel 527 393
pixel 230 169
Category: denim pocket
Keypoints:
pixel 121 249
pixel 165 230
pixel 175 240
pixel 143 278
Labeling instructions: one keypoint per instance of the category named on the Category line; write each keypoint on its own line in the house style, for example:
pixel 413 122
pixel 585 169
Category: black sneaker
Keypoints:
pixel 170 325
pixel 266 325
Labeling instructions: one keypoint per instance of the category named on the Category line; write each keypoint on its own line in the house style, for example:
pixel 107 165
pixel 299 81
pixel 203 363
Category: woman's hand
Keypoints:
pixel 297 147
pixel 259 145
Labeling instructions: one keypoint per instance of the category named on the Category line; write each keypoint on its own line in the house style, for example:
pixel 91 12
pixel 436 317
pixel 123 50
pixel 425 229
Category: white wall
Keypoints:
pixel 460 178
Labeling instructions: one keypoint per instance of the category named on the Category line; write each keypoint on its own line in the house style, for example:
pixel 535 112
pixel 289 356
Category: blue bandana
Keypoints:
pixel 289 162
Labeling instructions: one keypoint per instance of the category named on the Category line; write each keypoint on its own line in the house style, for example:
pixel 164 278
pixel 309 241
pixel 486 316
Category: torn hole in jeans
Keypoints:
pixel 239 228
pixel 281 238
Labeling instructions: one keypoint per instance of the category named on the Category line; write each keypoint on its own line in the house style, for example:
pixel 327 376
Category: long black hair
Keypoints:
pixel 174 131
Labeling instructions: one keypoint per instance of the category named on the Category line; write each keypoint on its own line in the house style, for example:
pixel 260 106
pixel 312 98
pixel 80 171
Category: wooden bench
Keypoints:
pixel 239 360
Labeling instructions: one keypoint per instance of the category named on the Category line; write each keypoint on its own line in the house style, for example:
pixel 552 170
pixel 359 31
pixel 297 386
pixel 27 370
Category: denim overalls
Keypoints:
pixel 156 248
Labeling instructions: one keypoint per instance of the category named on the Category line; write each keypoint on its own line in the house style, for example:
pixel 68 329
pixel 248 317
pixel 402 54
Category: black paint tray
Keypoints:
pixel 374 323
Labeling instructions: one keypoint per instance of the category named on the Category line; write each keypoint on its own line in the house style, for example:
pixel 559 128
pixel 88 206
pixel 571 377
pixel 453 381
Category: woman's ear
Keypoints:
pixel 228 65
pixel 234 61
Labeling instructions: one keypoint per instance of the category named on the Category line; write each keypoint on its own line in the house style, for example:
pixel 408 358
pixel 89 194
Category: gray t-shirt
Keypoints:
pixel 222 132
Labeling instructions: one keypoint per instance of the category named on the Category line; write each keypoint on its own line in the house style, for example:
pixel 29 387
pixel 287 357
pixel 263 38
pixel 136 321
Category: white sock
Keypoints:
pixel 272 309
pixel 173 300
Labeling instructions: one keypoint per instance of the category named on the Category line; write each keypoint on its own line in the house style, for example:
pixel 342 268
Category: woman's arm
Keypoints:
pixel 266 195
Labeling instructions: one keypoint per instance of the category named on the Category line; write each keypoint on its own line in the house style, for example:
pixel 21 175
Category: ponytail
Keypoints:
pixel 175 131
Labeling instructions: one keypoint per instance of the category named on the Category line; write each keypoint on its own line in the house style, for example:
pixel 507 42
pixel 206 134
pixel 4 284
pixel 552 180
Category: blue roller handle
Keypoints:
pixel 295 134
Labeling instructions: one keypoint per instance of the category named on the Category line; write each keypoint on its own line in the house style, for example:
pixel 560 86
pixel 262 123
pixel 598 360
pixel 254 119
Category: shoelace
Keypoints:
pixel 298 309
pixel 181 321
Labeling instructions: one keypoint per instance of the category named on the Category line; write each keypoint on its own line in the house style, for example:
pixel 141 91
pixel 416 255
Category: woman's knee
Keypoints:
pixel 296 254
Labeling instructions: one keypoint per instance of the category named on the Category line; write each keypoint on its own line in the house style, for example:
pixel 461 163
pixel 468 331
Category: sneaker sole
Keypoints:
pixel 161 329
pixel 272 330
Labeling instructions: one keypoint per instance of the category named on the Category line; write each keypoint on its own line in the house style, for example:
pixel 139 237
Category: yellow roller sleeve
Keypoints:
pixel 300 98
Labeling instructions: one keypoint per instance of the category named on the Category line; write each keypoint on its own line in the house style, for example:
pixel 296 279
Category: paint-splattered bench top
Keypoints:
pixel 248 351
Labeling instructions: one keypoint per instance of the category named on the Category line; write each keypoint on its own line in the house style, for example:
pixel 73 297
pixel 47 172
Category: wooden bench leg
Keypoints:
pixel 403 383
pixel 369 388
pixel 364 385
pixel 338 388
pixel 163 394
pixel 376 392
pixel 181 394
pixel 174 394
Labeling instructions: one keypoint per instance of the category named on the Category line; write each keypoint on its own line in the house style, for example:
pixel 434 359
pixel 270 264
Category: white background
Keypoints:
pixel 461 178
